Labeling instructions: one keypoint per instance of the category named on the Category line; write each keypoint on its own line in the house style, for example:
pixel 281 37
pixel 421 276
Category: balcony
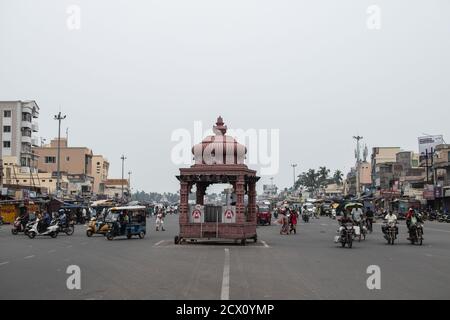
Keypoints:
pixel 35 127
pixel 26 124
pixel 35 142
pixel 26 139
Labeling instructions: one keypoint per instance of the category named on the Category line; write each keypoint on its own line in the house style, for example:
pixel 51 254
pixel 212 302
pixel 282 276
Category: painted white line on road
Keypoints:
pixel 225 295
pixel 265 244
pixel 29 257
pixel 51 251
pixel 3 263
pixel 158 243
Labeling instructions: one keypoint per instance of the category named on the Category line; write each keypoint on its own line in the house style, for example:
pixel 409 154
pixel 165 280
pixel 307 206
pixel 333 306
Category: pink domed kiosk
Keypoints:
pixel 219 159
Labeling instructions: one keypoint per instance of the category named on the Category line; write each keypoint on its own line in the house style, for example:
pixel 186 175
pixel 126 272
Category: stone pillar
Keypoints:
pixel 240 206
pixel 200 194
pixel 184 202
pixel 252 201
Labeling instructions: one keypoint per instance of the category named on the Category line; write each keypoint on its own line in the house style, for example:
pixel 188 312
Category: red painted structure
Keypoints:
pixel 218 159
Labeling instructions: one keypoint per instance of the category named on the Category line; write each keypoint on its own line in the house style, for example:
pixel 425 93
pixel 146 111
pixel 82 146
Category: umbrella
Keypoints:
pixel 353 205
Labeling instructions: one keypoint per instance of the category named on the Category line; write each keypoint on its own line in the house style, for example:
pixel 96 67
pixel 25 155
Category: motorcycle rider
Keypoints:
pixel 369 216
pixel 346 218
pixel 62 217
pixel 389 219
pixel 45 223
pixel 412 218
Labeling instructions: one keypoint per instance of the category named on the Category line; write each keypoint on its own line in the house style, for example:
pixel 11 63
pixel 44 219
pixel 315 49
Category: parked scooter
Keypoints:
pixel 37 230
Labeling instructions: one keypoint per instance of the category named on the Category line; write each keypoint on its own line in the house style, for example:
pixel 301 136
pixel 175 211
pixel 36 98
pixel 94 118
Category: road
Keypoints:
pixel 308 265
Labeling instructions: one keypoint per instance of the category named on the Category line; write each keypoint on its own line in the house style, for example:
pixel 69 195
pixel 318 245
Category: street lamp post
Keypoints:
pixel 293 167
pixel 59 117
pixel 123 158
pixel 358 163
pixel 129 180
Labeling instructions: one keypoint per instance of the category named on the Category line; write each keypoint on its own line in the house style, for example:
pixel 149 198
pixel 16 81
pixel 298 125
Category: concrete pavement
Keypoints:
pixel 308 265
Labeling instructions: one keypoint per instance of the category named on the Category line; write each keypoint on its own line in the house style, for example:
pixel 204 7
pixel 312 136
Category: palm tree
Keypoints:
pixel 338 177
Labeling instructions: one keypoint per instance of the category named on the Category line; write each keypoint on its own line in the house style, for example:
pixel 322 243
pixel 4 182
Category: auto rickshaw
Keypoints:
pixel 126 221
pixel 95 226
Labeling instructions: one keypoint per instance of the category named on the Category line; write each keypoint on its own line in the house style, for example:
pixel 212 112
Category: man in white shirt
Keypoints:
pixel 390 219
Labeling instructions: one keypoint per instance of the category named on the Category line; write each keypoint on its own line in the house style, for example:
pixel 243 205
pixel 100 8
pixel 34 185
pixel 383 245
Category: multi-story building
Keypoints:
pixel 441 168
pixel 100 170
pixel 381 156
pixel 365 179
pixel 113 189
pixel 76 163
pixel 17 133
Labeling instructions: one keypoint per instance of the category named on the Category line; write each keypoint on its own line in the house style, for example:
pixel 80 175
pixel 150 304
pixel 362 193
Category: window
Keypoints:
pixel 6 128
pixel 98 163
pixel 26 116
pixel 7 114
pixel 50 180
pixel 43 180
pixel 67 158
pixel 6 144
pixel 50 159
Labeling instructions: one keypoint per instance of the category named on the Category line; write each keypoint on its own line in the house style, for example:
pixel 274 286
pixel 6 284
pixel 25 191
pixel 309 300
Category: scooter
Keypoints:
pixel 52 230
pixel 18 226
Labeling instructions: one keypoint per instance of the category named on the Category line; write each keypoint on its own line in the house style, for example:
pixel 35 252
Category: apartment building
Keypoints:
pixel 76 163
pixel 18 132
pixel 113 189
pixel 100 171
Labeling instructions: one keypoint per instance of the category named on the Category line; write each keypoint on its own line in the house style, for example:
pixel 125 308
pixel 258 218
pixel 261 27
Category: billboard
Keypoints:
pixel 428 142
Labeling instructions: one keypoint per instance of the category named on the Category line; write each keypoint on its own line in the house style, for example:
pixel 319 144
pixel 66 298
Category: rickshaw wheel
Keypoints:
pixel 141 235
pixel 177 240
pixel 89 233
pixel 109 236
pixel 128 236
pixel 243 241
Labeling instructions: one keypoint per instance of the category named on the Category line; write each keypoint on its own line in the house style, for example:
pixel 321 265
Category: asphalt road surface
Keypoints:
pixel 308 265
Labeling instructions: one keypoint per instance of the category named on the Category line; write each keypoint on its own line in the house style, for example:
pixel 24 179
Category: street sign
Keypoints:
pixel 229 214
pixel 197 214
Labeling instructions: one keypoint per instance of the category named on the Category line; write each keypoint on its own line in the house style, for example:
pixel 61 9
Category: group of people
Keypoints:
pixel 357 217
pixel 288 220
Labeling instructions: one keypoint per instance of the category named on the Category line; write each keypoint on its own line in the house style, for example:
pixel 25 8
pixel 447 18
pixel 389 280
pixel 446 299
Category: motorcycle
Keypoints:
pixel 416 233
pixel 305 217
pixel 36 230
pixel 68 228
pixel 391 232
pixel 345 237
pixel 18 226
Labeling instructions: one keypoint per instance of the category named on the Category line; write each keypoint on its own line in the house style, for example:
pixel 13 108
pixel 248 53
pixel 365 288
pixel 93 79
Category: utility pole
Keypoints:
pixel 58 178
pixel 123 158
pixel 129 180
pixel 358 164
pixel 293 167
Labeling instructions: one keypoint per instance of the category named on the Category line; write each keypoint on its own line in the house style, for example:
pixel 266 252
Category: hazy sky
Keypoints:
pixel 138 70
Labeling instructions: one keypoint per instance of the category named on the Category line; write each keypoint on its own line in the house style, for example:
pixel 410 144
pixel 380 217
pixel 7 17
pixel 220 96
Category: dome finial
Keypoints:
pixel 220 128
